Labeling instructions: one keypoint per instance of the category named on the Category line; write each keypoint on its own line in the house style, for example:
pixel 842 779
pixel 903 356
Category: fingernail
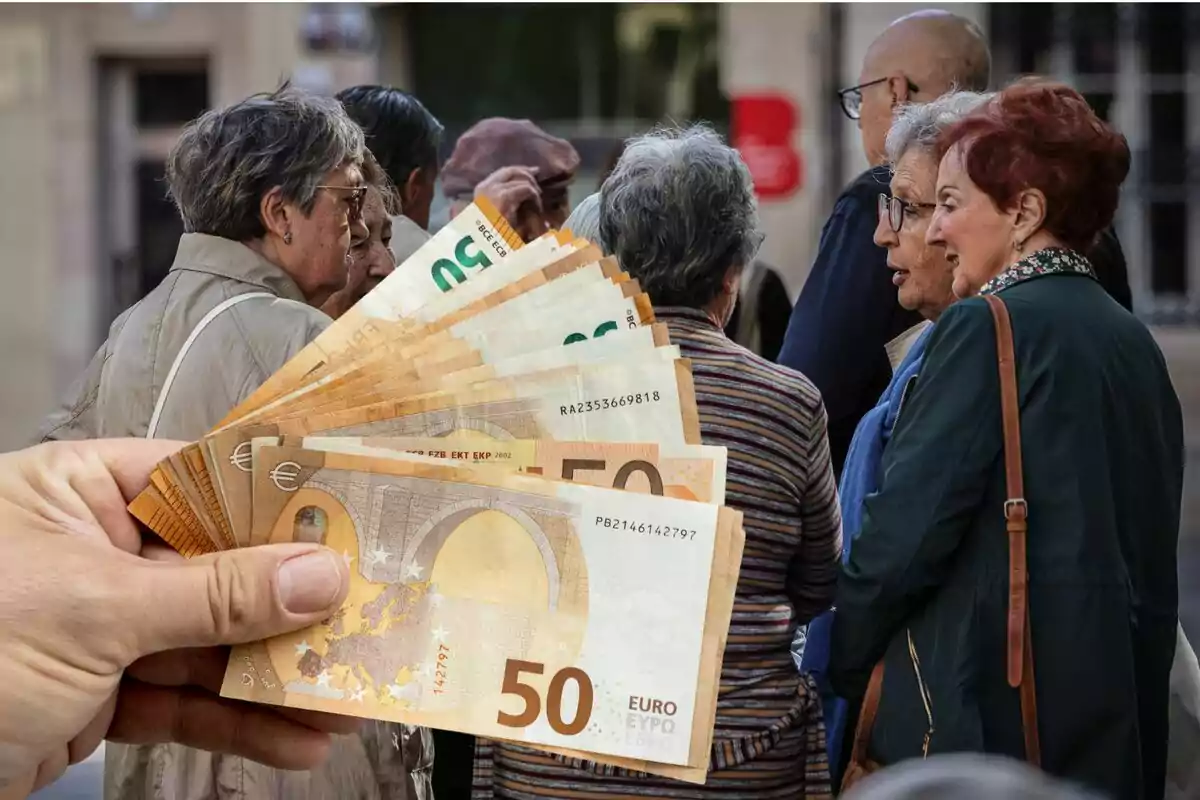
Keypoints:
pixel 310 582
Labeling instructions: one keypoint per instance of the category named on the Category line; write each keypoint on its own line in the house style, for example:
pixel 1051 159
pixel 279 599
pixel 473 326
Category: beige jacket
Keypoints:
pixel 233 355
pixel 407 238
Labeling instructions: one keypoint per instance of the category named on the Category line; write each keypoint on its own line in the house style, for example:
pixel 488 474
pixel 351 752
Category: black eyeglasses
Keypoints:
pixel 355 197
pixel 852 98
pixel 894 208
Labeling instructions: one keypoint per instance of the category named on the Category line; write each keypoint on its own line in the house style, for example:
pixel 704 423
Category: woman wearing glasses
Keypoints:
pixel 923 278
pixel 268 189
pixel 1012 586
pixel 271 194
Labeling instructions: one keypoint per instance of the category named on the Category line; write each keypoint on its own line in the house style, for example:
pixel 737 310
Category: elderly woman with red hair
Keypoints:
pixel 1013 588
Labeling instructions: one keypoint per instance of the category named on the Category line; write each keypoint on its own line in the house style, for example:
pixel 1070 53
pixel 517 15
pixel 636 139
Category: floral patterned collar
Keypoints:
pixel 1051 261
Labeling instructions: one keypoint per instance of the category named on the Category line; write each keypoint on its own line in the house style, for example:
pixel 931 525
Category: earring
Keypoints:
pixel 287 237
pixel 1018 246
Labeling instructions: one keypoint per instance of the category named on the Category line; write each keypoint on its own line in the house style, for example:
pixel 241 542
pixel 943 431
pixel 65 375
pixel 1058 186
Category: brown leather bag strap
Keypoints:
pixel 866 717
pixel 1016 515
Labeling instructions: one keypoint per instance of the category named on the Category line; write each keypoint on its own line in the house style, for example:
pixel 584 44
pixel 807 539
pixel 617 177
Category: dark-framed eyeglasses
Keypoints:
pixel 892 209
pixel 851 98
pixel 354 196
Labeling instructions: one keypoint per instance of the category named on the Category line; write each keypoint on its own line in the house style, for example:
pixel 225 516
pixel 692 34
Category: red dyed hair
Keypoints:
pixel 1038 135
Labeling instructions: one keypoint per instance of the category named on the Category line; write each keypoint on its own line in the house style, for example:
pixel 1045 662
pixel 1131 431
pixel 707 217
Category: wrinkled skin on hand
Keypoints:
pixel 515 193
pixel 102 635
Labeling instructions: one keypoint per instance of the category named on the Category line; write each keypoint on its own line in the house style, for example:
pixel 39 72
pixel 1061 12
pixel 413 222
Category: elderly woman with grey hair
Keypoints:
pixel 923 277
pixel 271 194
pixel 679 213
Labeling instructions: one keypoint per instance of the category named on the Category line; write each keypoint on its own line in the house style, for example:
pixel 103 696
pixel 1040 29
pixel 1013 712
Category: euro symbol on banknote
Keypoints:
pixel 241 457
pixel 284 476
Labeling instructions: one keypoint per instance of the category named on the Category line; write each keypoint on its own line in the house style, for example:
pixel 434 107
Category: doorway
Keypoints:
pixel 143 104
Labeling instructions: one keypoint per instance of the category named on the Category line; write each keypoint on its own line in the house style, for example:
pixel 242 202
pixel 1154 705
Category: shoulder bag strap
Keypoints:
pixel 219 309
pixel 1016 515
pixel 866 717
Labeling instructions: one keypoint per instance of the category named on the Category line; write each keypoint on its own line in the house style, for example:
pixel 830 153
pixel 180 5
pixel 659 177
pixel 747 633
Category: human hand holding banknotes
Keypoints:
pixel 101 638
pixel 504 449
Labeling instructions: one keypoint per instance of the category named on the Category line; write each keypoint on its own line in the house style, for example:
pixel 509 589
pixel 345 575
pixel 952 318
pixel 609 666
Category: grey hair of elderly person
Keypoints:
pixel 679 213
pixel 584 221
pixel 228 158
pixel 917 126
pixel 964 775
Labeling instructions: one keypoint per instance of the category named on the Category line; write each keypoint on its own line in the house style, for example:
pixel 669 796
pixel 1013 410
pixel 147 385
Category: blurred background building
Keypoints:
pixel 91 97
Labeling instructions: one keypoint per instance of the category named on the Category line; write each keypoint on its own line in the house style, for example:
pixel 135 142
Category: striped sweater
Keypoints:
pixel 769 734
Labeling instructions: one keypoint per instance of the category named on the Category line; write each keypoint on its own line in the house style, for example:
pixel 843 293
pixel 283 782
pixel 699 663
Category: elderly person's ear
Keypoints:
pixel 275 215
pixel 1029 216
pixel 733 278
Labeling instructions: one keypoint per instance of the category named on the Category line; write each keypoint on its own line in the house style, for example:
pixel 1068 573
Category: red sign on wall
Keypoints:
pixel 763 127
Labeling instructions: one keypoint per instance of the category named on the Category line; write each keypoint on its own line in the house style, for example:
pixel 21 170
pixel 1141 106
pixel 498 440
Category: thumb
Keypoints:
pixel 233 597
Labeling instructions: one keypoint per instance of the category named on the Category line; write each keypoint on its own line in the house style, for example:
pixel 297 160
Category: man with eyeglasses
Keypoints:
pixel 847 312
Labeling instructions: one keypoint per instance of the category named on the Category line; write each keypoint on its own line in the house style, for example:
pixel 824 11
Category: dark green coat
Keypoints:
pixel 1102 436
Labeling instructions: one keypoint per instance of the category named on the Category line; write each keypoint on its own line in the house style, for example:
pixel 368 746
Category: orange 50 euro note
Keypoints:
pixel 501 605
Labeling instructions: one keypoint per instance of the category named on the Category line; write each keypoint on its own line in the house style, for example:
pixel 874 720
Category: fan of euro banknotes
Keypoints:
pixel 505 448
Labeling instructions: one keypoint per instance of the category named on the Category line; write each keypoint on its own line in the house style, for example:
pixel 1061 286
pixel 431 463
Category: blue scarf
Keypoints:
pixel 860 478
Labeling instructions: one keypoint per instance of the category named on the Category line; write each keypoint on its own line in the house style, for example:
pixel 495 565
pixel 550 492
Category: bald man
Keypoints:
pixel 917 58
pixel 847 311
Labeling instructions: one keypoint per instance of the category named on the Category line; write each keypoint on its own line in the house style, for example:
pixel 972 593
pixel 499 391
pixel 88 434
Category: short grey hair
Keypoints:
pixel 227 159
pixel 584 221
pixel 678 211
pixel 918 125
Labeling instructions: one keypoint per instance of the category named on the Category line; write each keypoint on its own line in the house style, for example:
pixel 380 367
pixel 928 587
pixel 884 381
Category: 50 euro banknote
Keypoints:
pixel 649 400
pixel 426 330
pixel 487 346
pixel 497 604
pixel 468 245
pixel 689 472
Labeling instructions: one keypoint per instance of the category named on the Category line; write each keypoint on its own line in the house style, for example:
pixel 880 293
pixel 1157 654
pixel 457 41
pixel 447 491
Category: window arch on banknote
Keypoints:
pixel 413 546
pixel 431 538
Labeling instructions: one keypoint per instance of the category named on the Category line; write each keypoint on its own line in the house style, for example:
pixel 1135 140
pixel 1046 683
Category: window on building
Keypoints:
pixel 1131 63
pixel 1163 28
pixel 170 95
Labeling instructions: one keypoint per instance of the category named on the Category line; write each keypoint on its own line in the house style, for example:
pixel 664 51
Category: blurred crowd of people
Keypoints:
pixel 963 562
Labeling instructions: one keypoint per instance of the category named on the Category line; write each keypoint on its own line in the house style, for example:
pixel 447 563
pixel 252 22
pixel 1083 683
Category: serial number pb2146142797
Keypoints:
pixel 645 528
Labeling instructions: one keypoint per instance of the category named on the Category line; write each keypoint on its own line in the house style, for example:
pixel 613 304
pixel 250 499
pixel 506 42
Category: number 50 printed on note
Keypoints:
pixel 495 604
